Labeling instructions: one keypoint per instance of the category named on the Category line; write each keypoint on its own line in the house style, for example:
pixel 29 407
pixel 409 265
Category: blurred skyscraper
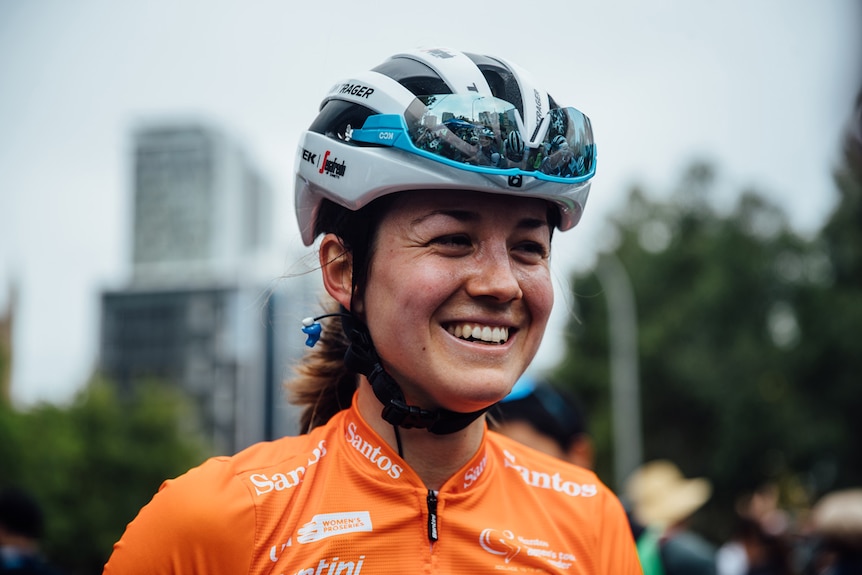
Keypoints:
pixel 199 311
pixel 7 323
pixel 202 212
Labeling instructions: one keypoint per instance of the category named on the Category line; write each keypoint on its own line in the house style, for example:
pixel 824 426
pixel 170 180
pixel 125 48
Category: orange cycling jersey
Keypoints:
pixel 340 501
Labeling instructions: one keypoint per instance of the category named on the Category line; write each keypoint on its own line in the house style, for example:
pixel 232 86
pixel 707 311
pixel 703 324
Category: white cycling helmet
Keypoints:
pixel 409 124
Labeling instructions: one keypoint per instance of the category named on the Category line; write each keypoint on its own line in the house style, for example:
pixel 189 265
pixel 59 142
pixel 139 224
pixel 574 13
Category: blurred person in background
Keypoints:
pixel 662 502
pixel 836 530
pixel 754 550
pixel 760 542
pixel 21 530
pixel 546 418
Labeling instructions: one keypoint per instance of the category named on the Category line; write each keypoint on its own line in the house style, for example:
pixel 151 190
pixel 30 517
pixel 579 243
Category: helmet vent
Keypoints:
pixel 337 115
pixel 414 75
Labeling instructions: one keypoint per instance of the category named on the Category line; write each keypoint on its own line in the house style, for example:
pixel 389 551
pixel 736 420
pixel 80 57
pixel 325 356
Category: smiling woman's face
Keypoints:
pixel 458 294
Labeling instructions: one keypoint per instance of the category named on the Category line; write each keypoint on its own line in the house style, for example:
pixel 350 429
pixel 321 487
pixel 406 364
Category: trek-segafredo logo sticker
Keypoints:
pixel 371 452
pixel 506 545
pixel 280 481
pixel 545 480
pixel 332 167
pixel 324 164
pixel 329 524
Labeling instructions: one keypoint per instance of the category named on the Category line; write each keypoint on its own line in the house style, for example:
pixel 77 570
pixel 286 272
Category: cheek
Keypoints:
pixel 539 295
pixel 406 295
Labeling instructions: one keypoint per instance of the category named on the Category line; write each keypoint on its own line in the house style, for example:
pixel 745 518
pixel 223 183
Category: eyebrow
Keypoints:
pixel 470 216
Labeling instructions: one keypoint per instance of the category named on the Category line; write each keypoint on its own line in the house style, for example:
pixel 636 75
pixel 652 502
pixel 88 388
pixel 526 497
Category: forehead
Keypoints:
pixel 479 204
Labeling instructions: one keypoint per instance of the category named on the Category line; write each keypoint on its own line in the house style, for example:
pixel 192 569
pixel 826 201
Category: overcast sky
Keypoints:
pixel 761 88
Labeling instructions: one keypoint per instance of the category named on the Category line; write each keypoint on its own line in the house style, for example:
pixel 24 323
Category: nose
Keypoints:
pixel 493 275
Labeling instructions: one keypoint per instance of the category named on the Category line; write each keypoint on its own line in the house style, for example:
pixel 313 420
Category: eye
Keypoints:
pixel 453 241
pixel 532 250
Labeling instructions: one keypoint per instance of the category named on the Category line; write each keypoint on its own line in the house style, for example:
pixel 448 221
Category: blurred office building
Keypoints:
pixel 7 323
pixel 203 308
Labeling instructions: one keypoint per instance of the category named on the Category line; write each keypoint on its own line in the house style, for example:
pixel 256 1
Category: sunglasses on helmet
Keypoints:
pixel 486 135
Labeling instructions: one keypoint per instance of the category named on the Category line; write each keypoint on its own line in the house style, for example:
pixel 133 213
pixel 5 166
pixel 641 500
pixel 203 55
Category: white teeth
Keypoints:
pixel 481 333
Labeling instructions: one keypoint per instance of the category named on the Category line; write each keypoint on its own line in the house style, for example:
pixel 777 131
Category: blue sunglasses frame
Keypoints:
pixel 391 130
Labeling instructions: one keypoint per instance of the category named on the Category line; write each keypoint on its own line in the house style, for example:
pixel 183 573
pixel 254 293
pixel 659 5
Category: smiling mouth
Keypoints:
pixel 480 333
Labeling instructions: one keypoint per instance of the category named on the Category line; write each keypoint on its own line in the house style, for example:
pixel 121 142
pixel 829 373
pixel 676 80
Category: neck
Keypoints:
pixel 435 458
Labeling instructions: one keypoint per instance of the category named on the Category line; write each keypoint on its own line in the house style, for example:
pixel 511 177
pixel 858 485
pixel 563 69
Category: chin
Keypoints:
pixel 472 396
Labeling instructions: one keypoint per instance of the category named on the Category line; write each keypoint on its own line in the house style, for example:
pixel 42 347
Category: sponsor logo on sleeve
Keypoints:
pixel 280 481
pixel 545 480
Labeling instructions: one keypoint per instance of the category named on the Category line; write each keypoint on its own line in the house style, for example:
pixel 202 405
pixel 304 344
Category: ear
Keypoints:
pixel 336 265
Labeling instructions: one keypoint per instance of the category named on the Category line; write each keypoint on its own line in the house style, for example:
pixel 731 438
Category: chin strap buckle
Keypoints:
pixel 397 412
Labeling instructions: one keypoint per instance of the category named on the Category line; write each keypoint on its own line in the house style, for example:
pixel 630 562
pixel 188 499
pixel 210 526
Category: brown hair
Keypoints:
pixel 323 385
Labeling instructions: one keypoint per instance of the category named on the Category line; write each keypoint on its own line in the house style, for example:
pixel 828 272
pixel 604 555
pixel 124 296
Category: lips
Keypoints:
pixel 478 332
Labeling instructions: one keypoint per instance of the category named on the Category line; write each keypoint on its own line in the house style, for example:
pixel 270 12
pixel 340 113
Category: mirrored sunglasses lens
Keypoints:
pixel 466 130
pixel 482 131
pixel 567 150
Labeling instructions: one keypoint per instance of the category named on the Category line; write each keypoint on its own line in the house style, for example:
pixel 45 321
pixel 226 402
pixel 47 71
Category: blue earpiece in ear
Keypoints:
pixel 312 329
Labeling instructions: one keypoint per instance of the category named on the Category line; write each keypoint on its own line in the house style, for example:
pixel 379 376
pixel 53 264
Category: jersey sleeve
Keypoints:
pixel 201 522
pixel 618 550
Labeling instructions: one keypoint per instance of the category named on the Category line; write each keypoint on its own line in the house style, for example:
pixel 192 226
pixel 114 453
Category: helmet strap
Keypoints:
pixel 362 357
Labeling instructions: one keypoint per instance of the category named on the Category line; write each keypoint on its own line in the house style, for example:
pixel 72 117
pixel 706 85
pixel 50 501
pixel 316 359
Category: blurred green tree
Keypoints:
pixel 747 344
pixel 93 464
pixel 831 364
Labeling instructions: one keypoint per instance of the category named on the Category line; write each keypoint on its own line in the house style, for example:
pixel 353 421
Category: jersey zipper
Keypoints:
pixel 432 515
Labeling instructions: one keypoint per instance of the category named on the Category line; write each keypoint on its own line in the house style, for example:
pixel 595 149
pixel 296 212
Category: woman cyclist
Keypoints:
pixel 438 274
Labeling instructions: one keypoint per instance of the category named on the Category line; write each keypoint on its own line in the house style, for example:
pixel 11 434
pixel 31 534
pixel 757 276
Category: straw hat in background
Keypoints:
pixel 661 496
pixel 838 517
